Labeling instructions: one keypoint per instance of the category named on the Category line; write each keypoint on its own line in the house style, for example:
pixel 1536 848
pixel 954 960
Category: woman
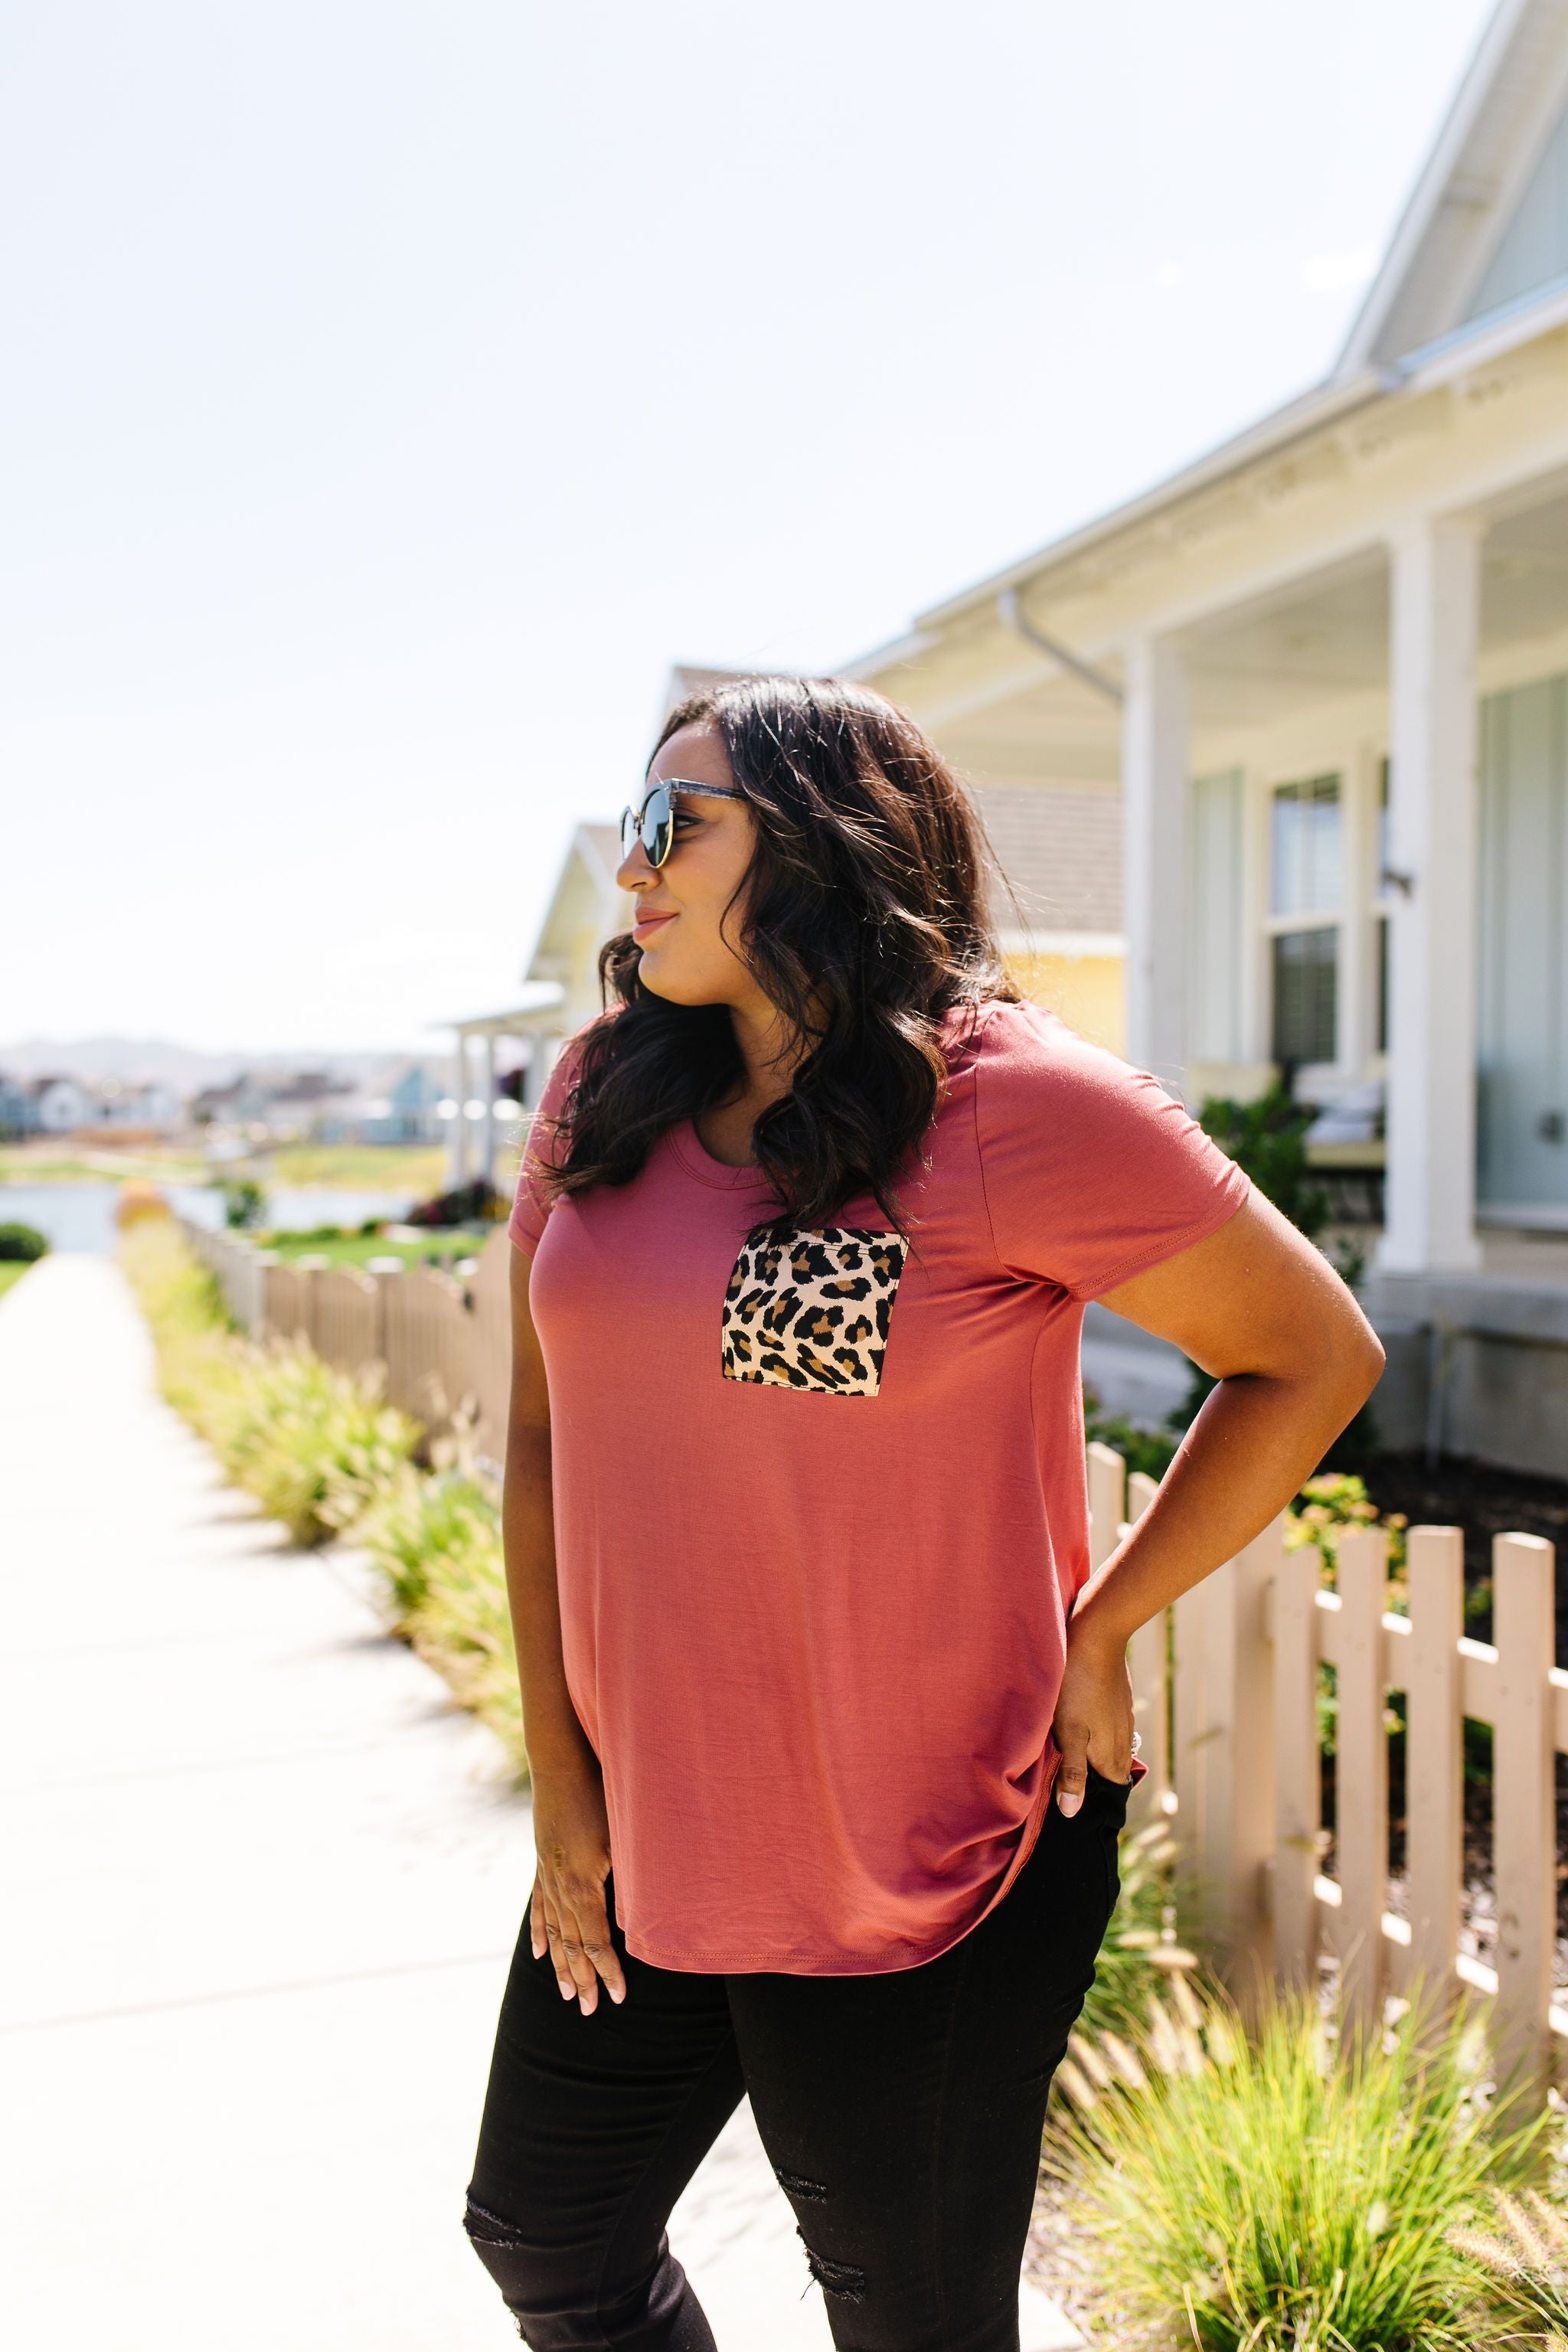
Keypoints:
pixel 829 1724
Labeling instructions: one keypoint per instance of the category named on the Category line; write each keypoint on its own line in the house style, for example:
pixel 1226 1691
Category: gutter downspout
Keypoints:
pixel 1012 612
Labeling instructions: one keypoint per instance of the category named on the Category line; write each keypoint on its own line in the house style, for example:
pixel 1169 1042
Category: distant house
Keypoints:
pixel 401 1104
pixel 280 1107
pixel 58 1106
pixel 149 1107
pixel 13 1107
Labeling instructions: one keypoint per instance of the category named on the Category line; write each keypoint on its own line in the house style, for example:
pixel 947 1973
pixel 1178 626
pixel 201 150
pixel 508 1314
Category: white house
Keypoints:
pixel 149 1105
pixel 58 1106
pixel 1327 667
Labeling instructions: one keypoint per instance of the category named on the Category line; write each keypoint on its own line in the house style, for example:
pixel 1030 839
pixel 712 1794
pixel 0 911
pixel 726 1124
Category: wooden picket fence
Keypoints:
pixel 441 1347
pixel 1226 1690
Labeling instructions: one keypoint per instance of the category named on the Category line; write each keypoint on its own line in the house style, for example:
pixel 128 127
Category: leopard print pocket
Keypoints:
pixel 810 1308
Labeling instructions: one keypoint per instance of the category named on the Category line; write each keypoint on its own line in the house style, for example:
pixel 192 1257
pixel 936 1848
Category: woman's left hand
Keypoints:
pixel 1094 1714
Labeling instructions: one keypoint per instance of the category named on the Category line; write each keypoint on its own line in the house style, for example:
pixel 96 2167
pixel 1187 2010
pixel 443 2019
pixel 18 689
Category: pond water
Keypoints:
pixel 81 1216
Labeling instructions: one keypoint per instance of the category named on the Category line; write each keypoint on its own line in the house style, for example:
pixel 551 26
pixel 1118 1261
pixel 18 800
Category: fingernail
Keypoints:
pixel 1069 1800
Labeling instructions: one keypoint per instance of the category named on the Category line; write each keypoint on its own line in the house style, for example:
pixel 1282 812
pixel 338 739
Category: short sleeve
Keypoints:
pixel 531 1206
pixel 1091 1172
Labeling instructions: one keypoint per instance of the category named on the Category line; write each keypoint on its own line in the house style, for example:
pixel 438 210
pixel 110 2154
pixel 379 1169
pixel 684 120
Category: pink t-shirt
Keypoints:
pixel 820 1513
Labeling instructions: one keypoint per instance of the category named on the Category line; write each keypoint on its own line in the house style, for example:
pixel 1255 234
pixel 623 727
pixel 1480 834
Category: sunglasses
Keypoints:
pixel 654 823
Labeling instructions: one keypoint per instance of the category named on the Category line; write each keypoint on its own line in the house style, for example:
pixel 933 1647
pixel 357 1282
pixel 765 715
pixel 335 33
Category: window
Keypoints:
pixel 1306 993
pixel 1305 883
pixel 1307 847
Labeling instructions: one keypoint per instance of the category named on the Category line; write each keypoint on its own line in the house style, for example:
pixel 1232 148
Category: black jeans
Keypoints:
pixel 901 2113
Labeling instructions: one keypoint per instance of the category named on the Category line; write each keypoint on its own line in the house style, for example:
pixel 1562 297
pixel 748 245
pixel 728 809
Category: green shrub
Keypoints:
pixel 1148 1450
pixel 435 1541
pixel 22 1244
pixel 1296 2194
pixel 244 1203
pixel 314 1444
pixel 1327 1506
pixel 324 1453
pixel 199 1356
pixel 1268 1140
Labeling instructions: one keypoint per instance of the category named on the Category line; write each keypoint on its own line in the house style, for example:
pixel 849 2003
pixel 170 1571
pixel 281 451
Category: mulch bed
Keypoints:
pixel 1485 1502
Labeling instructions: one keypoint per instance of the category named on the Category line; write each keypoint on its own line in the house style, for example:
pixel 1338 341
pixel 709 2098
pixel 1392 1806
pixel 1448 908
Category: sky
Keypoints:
pixel 394 391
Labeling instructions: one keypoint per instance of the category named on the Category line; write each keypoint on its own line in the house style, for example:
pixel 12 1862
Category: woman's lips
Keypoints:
pixel 646 925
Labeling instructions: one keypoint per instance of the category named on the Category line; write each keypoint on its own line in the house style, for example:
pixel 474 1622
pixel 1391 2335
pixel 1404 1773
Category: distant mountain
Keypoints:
pixel 96 1060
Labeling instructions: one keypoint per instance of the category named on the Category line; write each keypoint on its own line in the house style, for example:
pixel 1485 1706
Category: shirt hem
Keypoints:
pixel 796 1963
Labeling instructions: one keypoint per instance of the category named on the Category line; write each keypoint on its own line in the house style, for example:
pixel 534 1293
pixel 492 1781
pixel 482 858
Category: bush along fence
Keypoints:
pixel 444 1346
pixel 326 1453
pixel 1267 1701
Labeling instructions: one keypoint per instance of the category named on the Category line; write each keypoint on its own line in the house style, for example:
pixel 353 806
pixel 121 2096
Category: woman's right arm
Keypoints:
pixel 570 1829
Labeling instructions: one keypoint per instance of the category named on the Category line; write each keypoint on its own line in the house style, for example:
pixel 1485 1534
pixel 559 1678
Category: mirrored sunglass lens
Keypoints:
pixel 657 822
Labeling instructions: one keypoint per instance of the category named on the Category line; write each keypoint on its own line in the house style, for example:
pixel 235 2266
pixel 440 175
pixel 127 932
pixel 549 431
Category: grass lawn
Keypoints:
pixel 68 1163
pixel 11 1273
pixel 417 1168
pixel 437 1247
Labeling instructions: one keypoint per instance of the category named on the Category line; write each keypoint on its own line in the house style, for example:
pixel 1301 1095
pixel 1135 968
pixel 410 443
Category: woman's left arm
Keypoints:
pixel 1256 1306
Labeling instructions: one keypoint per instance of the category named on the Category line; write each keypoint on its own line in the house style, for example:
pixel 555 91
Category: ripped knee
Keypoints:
pixel 487 2229
pixel 846 2279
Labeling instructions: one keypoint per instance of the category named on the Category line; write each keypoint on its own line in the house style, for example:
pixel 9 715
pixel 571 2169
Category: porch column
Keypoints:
pixel 1154 797
pixel 1435 584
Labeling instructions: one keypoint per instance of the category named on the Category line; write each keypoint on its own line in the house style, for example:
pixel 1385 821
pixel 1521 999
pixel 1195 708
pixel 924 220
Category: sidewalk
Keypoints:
pixel 263 1886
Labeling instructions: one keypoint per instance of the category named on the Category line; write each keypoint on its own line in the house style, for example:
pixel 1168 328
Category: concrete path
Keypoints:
pixel 263 1884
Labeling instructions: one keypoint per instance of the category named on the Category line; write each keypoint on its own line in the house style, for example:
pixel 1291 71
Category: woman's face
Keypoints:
pixel 682 905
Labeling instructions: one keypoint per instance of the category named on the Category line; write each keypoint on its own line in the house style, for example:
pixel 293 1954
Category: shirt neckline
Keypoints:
pixel 699 1162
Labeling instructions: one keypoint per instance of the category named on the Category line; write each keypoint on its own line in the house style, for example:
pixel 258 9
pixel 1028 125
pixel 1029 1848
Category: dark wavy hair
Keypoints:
pixel 864 922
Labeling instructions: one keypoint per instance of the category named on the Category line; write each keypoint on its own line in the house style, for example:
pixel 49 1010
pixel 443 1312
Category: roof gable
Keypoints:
pixel 1533 251
pixel 1472 225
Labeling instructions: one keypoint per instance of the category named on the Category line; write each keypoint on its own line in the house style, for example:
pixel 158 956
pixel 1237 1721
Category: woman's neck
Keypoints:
pixel 769 1059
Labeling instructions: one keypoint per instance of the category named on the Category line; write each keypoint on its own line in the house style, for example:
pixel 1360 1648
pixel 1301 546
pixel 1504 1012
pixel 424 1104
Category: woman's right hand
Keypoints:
pixel 567 1916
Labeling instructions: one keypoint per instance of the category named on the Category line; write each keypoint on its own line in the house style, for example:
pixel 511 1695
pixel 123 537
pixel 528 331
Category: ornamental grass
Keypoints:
pixel 1296 2191
pixel 314 1444
pixel 1141 1953
pixel 435 1541
pixel 1521 2260
pixel 325 1455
